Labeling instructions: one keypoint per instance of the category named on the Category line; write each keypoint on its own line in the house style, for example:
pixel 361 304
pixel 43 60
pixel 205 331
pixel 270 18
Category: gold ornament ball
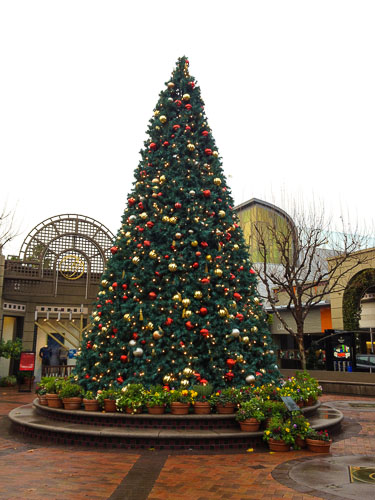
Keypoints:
pixel 254 329
pixel 178 236
pixel 186 302
pixel 176 297
pixel 104 329
pixel 221 213
pixel 184 383
pixel 209 258
pixel 143 215
pixel 127 234
pixel 170 85
pixel 155 180
pixel 190 146
pixel 236 247
pixel 187 372
pixel 256 300
pixel 172 267
pixel 165 218
pixel 217 181
pixel 153 254
pixel 222 313
pixel 166 379
pixel 156 112
pixel 173 220
pixel 97 318
pixel 163 118
pixel 218 272
pixel 198 294
pixel 245 340
pixel 157 335
pixel 127 317
pixel 215 154
pixel 196 219
pixel 135 260
pixel 188 313
pixel 194 243
pixel 150 325
pixel 162 179
pixel 186 97
pixel 110 288
pixel 104 282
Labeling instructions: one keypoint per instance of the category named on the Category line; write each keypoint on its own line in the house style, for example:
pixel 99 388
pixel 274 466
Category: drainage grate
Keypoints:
pixel 362 474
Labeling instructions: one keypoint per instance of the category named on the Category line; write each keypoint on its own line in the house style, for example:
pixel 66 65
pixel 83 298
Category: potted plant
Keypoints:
pixel 226 400
pixel 201 403
pixel 279 435
pixel 41 392
pixel 250 415
pixel 71 395
pixel 300 428
pixel 107 399
pixel 318 441
pixel 90 402
pixel 180 400
pixel 52 386
pixel 155 400
pixel 131 398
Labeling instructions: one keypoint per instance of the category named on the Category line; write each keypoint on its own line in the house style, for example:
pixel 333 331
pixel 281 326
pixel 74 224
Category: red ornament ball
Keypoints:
pixel 149 224
pixel 203 311
pixel 189 325
pixel 237 296
pixel 87 376
pixel 188 106
pixel 205 133
pixel 120 380
pixel 208 151
pixel 153 146
pixel 114 250
pixel 152 295
pixel 177 205
pixel 231 362
pixel 206 193
pixel 178 103
pixel 131 201
pixel 195 265
pixel 123 358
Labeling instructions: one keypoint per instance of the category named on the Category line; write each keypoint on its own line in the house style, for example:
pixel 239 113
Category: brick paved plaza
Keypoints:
pixel 31 470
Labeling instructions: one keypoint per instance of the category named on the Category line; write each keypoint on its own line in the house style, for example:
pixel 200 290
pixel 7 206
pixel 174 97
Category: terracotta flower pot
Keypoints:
pixel 318 446
pixel 43 400
pixel 250 425
pixel 227 408
pixel 156 410
pixel 54 401
pixel 109 405
pixel 202 408
pixel 278 445
pixel 91 404
pixel 300 442
pixel 72 403
pixel 310 401
pixel 180 408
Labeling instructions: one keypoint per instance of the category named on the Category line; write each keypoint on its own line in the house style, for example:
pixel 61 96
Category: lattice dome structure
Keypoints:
pixel 73 244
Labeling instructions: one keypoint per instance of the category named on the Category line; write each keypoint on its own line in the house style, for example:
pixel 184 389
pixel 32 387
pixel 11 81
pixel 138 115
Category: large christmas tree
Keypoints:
pixel 178 299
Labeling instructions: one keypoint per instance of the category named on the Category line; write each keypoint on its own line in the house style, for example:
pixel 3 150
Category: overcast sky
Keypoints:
pixel 289 88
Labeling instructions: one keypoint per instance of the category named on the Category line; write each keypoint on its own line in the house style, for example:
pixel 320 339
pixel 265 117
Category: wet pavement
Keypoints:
pixel 34 470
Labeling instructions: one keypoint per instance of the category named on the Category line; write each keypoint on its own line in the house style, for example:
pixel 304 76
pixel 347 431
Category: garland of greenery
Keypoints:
pixel 351 306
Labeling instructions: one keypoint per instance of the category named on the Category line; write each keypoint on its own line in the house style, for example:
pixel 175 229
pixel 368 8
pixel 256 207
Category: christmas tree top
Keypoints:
pixel 178 300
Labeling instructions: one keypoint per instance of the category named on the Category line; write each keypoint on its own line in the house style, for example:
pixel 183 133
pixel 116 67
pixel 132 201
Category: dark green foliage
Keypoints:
pixel 178 300
pixel 352 298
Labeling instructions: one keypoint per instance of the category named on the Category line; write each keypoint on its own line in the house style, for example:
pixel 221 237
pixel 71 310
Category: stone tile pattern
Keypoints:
pixel 33 471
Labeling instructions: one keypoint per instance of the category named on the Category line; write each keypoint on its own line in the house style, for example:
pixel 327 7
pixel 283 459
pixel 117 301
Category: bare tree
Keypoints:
pixel 305 259
pixel 7 227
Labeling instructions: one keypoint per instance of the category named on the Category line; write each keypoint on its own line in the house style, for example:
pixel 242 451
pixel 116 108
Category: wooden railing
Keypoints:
pixel 57 371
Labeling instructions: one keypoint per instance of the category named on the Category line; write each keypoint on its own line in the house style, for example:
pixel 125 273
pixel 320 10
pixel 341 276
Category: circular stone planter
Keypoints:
pixel 318 446
pixel 250 425
pixel 91 404
pixel 278 445
pixel 180 408
pixel 54 401
pixel 202 408
pixel 227 408
pixel 74 403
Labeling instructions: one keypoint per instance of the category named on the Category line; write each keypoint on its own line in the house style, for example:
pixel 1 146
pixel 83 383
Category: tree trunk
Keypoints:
pixel 301 348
